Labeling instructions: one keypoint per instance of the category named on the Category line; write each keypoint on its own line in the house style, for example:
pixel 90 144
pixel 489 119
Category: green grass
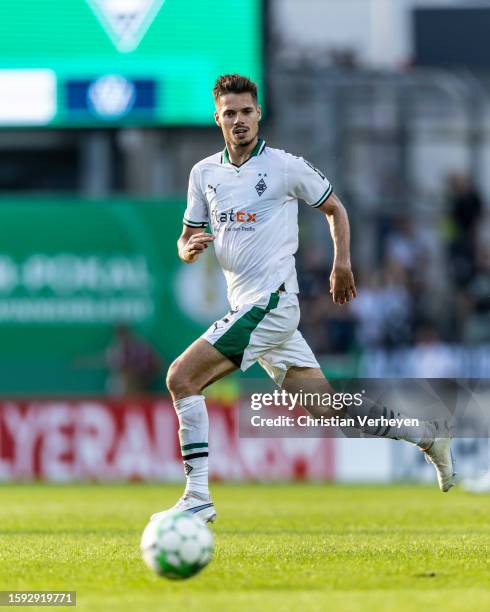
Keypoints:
pixel 279 548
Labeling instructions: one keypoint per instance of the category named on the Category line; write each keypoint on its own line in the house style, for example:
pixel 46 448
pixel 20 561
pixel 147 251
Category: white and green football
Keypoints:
pixel 177 546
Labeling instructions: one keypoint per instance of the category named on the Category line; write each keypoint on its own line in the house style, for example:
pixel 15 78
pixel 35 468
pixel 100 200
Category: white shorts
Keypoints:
pixel 265 332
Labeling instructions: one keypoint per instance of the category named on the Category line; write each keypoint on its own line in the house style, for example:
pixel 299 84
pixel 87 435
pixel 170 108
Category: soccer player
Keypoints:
pixel 248 195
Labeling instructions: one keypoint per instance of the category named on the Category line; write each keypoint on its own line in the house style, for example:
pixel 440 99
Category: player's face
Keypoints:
pixel 238 117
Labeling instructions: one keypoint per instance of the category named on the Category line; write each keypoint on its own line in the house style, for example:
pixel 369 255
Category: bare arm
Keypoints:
pixel 192 242
pixel 342 286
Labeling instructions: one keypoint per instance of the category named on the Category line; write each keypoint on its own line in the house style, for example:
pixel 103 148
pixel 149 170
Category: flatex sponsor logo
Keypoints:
pixel 234 220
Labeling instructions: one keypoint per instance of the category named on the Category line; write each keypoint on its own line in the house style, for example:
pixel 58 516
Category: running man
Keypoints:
pixel 248 195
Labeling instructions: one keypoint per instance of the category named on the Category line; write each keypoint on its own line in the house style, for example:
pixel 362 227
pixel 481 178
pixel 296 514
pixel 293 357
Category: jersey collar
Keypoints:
pixel 257 150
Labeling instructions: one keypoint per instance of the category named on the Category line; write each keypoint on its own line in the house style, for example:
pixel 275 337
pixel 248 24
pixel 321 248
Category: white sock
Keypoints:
pixel 193 434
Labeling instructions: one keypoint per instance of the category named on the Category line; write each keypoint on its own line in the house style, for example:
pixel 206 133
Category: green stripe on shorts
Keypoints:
pixel 235 340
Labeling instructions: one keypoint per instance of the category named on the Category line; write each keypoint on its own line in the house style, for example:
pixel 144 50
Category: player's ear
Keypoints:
pixel 259 112
pixel 216 118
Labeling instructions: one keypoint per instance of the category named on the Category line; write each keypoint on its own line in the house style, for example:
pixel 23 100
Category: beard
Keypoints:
pixel 247 143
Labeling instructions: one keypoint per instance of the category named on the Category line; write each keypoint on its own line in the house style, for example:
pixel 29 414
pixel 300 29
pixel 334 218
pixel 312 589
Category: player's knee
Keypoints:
pixel 179 383
pixel 175 377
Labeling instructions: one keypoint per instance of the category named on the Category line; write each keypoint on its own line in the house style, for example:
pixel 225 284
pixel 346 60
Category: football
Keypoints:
pixel 177 546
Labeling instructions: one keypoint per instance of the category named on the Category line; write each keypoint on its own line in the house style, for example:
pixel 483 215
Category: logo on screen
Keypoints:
pixel 111 96
pixel 126 21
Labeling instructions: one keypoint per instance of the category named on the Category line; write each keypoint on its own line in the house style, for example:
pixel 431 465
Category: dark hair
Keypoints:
pixel 234 83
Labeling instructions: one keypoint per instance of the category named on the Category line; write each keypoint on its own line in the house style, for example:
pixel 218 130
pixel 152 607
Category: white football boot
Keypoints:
pixel 440 455
pixel 193 504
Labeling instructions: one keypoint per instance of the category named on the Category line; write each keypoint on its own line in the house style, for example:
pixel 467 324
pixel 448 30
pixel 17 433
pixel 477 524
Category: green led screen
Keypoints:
pixel 87 63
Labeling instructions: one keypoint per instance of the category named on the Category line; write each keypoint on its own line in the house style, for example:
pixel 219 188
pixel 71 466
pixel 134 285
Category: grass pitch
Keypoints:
pixel 283 548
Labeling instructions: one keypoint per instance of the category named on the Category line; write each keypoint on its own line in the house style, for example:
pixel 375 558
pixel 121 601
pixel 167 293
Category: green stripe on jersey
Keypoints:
pixel 185 447
pixel 195 223
pixel 323 197
pixel 257 150
pixel 235 340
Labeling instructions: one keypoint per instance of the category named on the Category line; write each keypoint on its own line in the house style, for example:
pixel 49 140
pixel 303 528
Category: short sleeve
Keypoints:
pixel 307 182
pixel 196 213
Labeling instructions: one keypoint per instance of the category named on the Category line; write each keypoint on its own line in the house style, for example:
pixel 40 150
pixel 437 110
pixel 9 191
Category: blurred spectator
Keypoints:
pixel 312 273
pixel 383 308
pixel 431 356
pixel 135 367
pixel 328 327
pixel 477 300
pixel 366 310
pixel 344 57
pixel 406 246
pixel 465 212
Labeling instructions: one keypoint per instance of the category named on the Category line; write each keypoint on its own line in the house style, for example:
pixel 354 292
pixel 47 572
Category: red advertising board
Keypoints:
pixel 114 440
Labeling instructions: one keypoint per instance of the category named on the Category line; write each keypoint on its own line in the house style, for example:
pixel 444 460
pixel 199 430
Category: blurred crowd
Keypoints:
pixel 430 285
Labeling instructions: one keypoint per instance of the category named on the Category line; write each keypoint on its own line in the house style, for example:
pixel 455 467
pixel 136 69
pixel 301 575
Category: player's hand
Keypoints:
pixel 196 244
pixel 342 286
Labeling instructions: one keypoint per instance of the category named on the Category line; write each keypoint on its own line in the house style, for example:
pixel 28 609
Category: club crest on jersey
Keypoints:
pixel 260 187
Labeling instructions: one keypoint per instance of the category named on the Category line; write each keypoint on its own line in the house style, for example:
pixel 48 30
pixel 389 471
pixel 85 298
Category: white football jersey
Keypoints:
pixel 252 211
